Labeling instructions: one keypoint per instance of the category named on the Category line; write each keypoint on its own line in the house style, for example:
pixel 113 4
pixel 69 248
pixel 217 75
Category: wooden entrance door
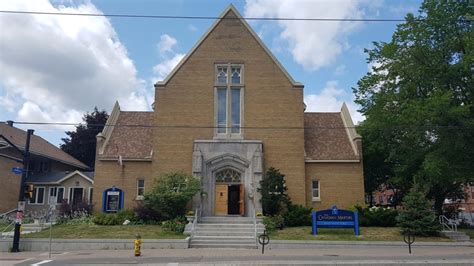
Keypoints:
pixel 242 199
pixel 221 200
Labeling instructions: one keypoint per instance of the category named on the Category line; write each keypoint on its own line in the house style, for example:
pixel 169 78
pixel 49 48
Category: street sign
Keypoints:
pixel 17 170
pixel 21 205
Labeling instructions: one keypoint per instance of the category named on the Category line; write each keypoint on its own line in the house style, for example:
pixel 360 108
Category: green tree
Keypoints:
pixel 418 102
pixel 274 192
pixel 81 143
pixel 171 193
pixel 416 217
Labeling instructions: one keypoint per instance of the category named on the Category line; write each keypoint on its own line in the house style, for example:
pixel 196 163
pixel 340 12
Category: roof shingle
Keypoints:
pixel 131 137
pixel 38 146
pixel 326 137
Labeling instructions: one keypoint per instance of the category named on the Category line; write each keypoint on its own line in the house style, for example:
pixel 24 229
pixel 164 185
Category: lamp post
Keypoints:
pixel 21 197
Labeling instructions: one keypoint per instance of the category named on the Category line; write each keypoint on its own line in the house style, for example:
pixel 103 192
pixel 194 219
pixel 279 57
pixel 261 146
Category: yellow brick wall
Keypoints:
pixel 10 182
pixel 269 101
pixel 109 173
pixel 341 184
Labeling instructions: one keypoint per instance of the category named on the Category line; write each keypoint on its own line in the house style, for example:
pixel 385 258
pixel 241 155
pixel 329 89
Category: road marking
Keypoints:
pixel 41 262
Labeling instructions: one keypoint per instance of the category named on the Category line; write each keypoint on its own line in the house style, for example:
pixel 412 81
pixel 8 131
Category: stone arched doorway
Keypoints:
pixel 229 192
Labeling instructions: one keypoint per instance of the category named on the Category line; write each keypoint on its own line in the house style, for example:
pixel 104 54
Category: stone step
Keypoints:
pixel 235 225
pixel 229 246
pixel 223 239
pixel 456 235
pixel 219 220
pixel 213 233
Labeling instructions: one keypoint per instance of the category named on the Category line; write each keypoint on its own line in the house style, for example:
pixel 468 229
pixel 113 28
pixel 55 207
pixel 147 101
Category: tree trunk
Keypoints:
pixel 438 204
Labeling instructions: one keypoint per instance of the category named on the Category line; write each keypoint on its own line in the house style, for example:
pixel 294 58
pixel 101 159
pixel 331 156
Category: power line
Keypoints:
pixel 207 17
pixel 428 127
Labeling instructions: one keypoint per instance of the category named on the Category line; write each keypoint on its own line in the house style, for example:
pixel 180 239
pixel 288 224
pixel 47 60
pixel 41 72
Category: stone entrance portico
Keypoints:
pixel 244 156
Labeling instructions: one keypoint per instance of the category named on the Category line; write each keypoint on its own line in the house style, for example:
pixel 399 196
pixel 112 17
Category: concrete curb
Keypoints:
pixel 288 244
pixel 42 244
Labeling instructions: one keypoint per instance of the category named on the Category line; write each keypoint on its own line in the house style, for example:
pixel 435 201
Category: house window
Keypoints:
pixel 44 166
pixel 229 90
pixel 38 196
pixel 58 193
pixel 315 190
pixel 140 188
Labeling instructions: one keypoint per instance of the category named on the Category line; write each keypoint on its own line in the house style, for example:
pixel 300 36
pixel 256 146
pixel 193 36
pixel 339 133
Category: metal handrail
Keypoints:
pixel 447 223
pixel 7 213
pixel 255 225
pixel 6 227
pixel 197 214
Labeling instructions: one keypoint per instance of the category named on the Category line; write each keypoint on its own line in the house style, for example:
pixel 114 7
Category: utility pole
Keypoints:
pixel 21 197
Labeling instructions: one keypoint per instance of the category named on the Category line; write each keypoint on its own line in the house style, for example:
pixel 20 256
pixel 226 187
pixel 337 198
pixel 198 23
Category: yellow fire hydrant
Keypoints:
pixel 137 245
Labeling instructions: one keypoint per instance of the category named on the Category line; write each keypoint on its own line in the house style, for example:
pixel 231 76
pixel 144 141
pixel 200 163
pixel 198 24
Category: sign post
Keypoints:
pixel 335 218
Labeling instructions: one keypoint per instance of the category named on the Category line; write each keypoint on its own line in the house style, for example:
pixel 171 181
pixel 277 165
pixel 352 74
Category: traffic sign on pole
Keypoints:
pixel 18 170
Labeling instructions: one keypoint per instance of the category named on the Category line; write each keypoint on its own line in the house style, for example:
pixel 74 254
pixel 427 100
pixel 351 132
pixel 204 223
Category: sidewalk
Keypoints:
pixel 321 256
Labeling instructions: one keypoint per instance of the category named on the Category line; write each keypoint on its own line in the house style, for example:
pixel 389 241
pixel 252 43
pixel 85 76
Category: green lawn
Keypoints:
pixel 367 234
pixel 103 231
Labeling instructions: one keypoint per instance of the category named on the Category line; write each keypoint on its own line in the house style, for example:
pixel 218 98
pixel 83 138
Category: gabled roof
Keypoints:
pixel 58 177
pixel 130 136
pixel 229 9
pixel 39 146
pixel 330 137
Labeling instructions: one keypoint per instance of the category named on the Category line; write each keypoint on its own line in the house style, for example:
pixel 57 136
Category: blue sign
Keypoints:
pixel 335 218
pixel 17 170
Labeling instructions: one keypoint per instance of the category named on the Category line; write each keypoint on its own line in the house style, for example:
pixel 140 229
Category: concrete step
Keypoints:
pixel 223 233
pixel 226 220
pixel 220 239
pixel 457 236
pixel 230 246
pixel 232 226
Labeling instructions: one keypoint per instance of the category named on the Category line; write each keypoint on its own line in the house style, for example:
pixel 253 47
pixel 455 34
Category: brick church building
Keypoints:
pixel 226 113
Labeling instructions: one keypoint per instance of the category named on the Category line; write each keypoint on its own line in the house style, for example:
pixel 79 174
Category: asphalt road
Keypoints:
pixel 320 256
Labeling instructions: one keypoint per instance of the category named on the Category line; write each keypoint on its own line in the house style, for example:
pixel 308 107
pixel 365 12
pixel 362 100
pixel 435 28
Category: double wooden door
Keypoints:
pixel 229 199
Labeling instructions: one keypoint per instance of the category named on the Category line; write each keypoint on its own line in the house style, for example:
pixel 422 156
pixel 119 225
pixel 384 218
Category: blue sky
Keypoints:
pixel 55 68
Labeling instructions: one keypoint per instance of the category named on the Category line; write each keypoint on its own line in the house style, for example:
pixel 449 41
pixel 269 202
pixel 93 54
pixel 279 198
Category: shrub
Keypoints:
pixel 270 225
pixel 106 219
pixel 171 193
pixel 126 214
pixel 297 215
pixel 175 225
pixel 273 222
pixel 377 216
pixel 146 214
pixel 417 217
pixel 75 218
pixel 66 209
pixel 273 190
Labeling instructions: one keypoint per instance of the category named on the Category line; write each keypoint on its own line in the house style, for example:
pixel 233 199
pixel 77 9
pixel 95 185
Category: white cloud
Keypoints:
pixel 166 43
pixel 162 69
pixel 56 67
pixel 192 28
pixel 312 44
pixel 169 58
pixel 330 99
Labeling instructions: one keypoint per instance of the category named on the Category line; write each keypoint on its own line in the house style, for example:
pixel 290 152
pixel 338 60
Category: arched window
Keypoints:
pixel 228 176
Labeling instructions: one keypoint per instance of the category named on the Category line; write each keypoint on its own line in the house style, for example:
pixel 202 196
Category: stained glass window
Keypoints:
pixel 222 75
pixel 235 75
pixel 228 176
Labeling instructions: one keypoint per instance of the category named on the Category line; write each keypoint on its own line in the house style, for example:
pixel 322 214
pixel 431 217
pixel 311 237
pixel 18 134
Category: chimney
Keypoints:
pixel 10 123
